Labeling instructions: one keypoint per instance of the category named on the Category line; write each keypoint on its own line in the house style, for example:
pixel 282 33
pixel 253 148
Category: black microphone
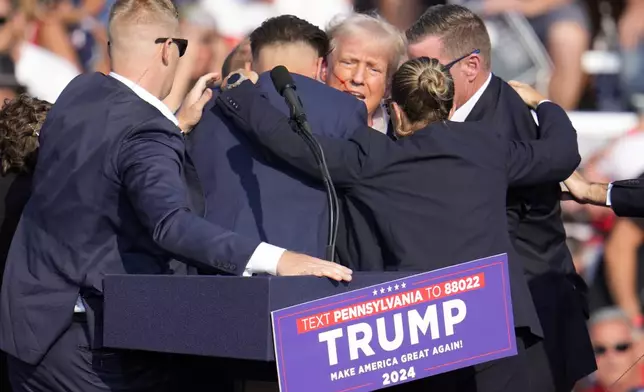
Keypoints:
pixel 285 86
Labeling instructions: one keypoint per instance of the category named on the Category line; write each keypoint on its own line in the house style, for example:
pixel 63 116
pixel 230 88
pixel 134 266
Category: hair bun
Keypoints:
pixel 432 81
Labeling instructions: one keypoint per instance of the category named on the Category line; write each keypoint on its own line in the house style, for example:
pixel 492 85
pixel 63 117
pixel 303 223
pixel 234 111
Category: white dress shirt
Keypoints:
pixel 380 120
pixel 265 257
pixel 460 114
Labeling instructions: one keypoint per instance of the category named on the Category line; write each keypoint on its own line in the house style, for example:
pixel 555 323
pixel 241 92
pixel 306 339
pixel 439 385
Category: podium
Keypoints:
pixel 219 318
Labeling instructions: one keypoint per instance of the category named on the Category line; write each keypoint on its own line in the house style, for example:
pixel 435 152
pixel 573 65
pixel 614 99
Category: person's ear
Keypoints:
pixel 473 65
pixel 318 68
pixel 397 117
pixel 324 70
pixel 166 52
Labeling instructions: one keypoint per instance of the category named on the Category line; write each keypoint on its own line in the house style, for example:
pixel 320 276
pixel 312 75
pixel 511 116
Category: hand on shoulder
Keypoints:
pixel 237 77
pixel 528 94
pixel 193 104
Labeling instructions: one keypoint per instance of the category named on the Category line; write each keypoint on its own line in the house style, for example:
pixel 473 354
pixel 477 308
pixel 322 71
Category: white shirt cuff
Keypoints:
pixel 545 100
pixel 264 260
pixel 610 187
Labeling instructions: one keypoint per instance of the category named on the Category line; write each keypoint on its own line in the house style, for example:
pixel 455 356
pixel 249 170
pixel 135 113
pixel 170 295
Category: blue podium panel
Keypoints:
pixel 217 316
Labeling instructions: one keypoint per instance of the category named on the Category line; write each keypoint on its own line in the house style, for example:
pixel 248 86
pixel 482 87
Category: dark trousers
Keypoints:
pixel 71 366
pixel 562 307
pixel 4 375
pixel 512 374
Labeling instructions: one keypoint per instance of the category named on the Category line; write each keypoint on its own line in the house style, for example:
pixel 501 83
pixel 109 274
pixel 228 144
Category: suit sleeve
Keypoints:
pixel 552 158
pixel 627 198
pixel 252 113
pixel 149 164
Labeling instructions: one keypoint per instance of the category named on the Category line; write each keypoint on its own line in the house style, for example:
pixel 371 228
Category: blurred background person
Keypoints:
pixel 563 27
pixel 618 348
pixel 9 86
pixel 631 35
pixel 400 13
pixel 43 73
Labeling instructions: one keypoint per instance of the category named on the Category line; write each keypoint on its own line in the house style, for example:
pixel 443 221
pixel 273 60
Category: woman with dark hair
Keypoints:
pixel 438 194
pixel 20 123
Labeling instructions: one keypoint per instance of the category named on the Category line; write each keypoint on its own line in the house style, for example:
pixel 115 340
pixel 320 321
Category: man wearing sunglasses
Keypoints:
pixel 110 197
pixel 616 349
pixel 559 351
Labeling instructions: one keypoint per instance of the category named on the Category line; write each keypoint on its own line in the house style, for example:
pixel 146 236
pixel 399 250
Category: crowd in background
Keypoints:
pixel 46 43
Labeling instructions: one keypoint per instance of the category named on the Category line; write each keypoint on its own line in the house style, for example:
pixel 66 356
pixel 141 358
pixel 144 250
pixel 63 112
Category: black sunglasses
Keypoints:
pixel 620 348
pixel 182 44
pixel 451 64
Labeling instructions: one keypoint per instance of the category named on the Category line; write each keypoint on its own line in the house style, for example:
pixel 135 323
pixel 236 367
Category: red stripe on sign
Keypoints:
pixel 391 302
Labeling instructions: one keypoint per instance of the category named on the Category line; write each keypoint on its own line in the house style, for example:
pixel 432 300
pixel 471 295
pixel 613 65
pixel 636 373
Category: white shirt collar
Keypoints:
pixel 380 119
pixel 460 115
pixel 147 97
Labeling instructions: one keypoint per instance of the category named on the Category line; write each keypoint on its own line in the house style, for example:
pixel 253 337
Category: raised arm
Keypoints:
pixel 551 158
pixel 252 113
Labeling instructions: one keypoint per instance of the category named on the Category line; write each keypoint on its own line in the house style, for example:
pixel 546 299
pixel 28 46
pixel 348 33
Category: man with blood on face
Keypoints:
pixel 365 52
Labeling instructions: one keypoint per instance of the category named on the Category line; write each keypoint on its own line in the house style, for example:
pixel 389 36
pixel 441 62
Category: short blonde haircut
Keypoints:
pixel 376 28
pixel 142 12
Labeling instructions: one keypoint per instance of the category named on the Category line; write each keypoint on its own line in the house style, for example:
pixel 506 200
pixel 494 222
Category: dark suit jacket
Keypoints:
pixel 262 198
pixel 534 213
pixel 538 236
pixel 627 197
pixel 437 196
pixel 108 198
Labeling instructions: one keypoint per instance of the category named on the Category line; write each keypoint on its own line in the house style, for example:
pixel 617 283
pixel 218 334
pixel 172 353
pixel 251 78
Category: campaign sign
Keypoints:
pixel 398 331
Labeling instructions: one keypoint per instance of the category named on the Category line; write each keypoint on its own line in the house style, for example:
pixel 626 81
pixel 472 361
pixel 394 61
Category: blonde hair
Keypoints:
pixel 142 12
pixel 424 90
pixel 376 28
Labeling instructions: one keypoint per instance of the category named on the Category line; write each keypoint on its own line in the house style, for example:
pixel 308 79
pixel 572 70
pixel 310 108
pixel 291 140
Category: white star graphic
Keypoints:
pixel 403 285
pixel 375 292
pixel 389 289
pixel 382 290
pixel 396 287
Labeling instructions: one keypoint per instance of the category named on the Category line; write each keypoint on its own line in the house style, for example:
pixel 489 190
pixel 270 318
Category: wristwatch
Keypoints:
pixel 233 81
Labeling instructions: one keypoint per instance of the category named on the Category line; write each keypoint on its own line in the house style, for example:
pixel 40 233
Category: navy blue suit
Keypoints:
pixel 109 198
pixel 440 192
pixel 258 196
